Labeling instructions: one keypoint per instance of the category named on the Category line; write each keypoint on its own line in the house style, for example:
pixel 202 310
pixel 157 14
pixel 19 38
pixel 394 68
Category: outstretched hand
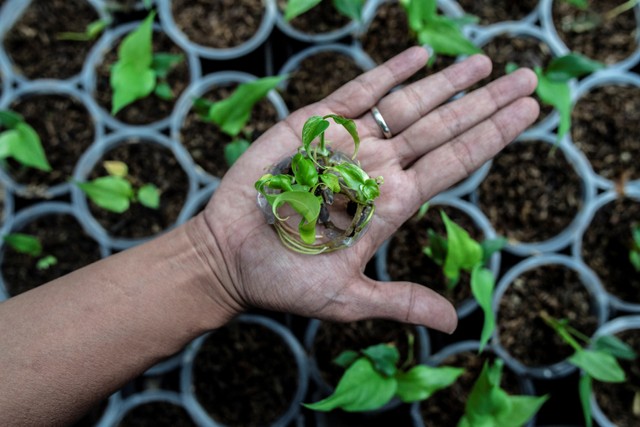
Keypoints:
pixel 435 144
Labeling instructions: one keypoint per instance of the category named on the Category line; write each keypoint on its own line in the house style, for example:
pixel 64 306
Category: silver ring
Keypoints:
pixel 381 123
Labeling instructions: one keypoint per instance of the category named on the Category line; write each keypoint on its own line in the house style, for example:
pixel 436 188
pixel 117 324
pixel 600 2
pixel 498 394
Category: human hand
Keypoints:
pixel 434 145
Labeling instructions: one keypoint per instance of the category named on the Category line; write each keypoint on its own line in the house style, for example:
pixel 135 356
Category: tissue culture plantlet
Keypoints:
pixel 593 19
pixel 21 142
pixel 115 192
pixel 352 9
pixel 458 252
pixel 30 245
pixel 373 377
pixel 138 71
pixel 232 114
pixel 634 252
pixel 314 180
pixel 598 362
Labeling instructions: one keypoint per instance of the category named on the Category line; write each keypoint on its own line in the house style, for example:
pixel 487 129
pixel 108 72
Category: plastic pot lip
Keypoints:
pixel 181 39
pixel 10 14
pixel 576 249
pixel 9 206
pixel 93 155
pixel 202 86
pixel 51 87
pixel 30 214
pixel 592 285
pixel 581 166
pixel 201 416
pixel 546 21
pixel 197 201
pixel 453 8
pixel 479 219
pixel 104 4
pixel 121 406
pixel 105 44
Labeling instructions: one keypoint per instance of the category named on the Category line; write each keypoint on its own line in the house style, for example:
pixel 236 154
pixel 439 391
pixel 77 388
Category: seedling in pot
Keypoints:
pixel 139 71
pixel 30 245
pixel 592 19
pixel 599 361
pixel 458 252
pixel 116 191
pixel 352 9
pixel 232 114
pixel 634 252
pixel 92 32
pixel 310 183
pixel 21 142
pixel 373 377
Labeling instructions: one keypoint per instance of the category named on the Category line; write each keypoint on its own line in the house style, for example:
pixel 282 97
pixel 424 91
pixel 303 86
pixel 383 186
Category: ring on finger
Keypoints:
pixel 382 124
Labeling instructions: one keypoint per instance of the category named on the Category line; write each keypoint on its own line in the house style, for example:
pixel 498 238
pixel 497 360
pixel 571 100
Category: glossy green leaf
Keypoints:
pixel 162 63
pixel 277 182
pixel 490 247
pixel 46 262
pixel 384 357
pixel 463 253
pixel 164 91
pixel 482 286
pixel 24 243
pixel 304 170
pixel 522 409
pixel 235 149
pixel 313 128
pixel 445 38
pixel 557 95
pixel 331 181
pixel 420 382
pixel 109 192
pixel 298 7
pixel 352 9
pixel 353 176
pixel 584 391
pixel 601 366
pixel 307 205
pixel 419 12
pixel 437 247
pixel 370 190
pixel 361 388
pixel 22 143
pixel 571 66
pixel 346 358
pixel 149 196
pixel 614 346
pixel 350 127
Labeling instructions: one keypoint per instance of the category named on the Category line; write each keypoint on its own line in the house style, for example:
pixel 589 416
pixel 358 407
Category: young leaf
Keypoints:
pixel 116 168
pixel 23 144
pixel 614 346
pixel 352 9
pixel 298 7
pixel 490 247
pixel 571 66
pixel 93 30
pixel 482 285
pixel 420 382
pixel 346 358
pixel 419 12
pixel 437 248
pixel 304 170
pixel 149 196
pixel 9 119
pixel 581 4
pixel 162 63
pixel 235 149
pixel 350 126
pixel 307 205
pixel 24 243
pixel 109 192
pixel 584 390
pixel 424 208
pixel 445 38
pixel 601 366
pixel 46 262
pixel 163 91
pixel 557 95
pixel 370 190
pixel 463 253
pixel 384 358
pixel 313 127
pixel 331 181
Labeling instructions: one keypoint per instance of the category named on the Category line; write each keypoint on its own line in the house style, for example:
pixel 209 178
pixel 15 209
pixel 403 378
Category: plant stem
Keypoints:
pixel 560 330
pixel 410 352
pixel 628 5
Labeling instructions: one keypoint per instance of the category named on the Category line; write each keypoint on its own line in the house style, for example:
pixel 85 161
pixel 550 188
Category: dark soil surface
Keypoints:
pixel 157 414
pixel 606 127
pixel 492 11
pixel 556 290
pixel 530 195
pixel 148 164
pixel 616 400
pixel 206 142
pixel 320 19
pixel 244 375
pixel 151 108
pixel 406 262
pixel 123 5
pixel 33 45
pixel 218 23
pixel 66 130
pixel 609 42
pixel 318 76
pixel 606 244
pixel 60 236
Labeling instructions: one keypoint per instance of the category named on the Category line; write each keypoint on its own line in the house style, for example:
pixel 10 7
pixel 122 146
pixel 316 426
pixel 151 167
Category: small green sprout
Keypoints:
pixel 352 9
pixel 490 405
pixel 140 72
pixel 593 19
pixel 598 362
pixel 232 114
pixel 115 192
pixel 372 378
pixel 634 252
pixel 459 252
pixel 30 245
pixel 21 142
pixel 93 30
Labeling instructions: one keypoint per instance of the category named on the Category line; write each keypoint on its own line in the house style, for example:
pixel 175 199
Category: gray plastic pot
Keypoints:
pixel 591 283
pixel 479 219
pixel 197 202
pixel 121 406
pixel 110 40
pixel 91 158
pixel 201 87
pixel 299 361
pixel 180 38
pixel 50 87
pixel 112 6
pixel 6 216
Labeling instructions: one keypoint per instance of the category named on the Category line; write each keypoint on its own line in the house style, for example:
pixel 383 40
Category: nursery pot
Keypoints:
pixel 7 208
pixel 198 202
pixel 165 406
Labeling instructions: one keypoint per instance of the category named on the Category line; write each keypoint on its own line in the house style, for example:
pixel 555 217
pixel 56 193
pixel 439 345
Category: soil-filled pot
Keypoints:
pixel 317 71
pixel 321 24
pixel 606 126
pixel 151 159
pixel 150 112
pixel 58 227
pixel 535 194
pixel 218 29
pixel 400 258
pixel 604 241
pixel 496 11
pixel 612 40
pixel 446 406
pixel 198 202
pixel 558 285
pixel 205 141
pixel 612 404
pixel 157 408
pixel 67 122
pixel 30 35
pixel 251 372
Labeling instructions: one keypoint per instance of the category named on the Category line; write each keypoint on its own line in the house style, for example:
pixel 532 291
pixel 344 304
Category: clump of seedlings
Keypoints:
pixel 21 142
pixel 329 191
pixel 352 9
pixel 592 19
pixel 634 252
pixel 30 245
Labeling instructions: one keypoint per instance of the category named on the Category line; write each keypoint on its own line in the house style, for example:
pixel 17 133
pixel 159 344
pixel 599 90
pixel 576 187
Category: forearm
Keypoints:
pixel 75 340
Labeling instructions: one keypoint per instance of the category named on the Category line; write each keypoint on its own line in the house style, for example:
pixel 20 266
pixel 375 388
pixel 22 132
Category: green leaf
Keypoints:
pixel 370 190
pixel 445 38
pixel 149 196
pixel 584 390
pixel 437 247
pixel 298 7
pixel 46 262
pixel 116 168
pixel 601 366
pixel 277 182
pixel 384 358
pixel 331 181
pixel 163 91
pixel 361 388
pixel 571 66
pixel 420 12
pixel 235 149
pixel 22 143
pixel 463 253
pixel 304 170
pixel 420 382
pixel 523 408
pixel 352 9
pixel 9 119
pixel 510 67
pixel 614 346
pixel 93 30
pixel 356 179
pixel 162 63
pixel 581 4
pixel 109 192
pixel 424 208
pixel 233 113
pixel 24 243
pixel 490 247
pixel 307 205
pixel 346 358
pixel 558 95
pixel 482 285
pixel 313 127
pixel 350 126
pixel 634 258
